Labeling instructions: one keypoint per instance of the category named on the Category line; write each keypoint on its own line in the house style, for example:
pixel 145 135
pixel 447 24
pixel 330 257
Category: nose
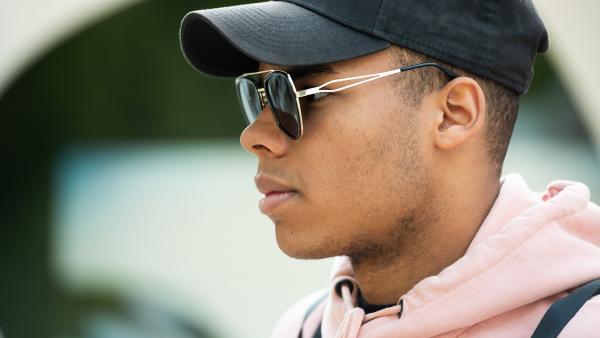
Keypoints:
pixel 263 137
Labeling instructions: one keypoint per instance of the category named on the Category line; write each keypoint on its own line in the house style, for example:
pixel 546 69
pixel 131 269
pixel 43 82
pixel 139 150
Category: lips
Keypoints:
pixel 267 185
pixel 276 193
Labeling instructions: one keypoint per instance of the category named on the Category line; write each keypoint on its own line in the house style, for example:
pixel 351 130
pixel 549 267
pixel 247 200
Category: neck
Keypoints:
pixel 441 241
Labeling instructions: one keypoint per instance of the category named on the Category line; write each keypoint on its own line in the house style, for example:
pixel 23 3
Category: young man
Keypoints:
pixel 380 129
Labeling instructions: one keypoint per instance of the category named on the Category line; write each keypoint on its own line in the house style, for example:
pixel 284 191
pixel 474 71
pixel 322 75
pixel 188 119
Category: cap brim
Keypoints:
pixel 229 41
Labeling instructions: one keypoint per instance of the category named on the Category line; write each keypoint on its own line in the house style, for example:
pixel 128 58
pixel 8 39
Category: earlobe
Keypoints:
pixel 462 108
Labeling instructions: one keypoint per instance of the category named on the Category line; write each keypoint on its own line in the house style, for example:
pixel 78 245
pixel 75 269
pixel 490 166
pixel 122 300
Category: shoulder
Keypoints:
pixel 586 322
pixel 289 323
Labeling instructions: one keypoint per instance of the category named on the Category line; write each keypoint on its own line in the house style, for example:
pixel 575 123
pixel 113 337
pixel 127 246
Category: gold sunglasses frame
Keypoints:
pixel 318 90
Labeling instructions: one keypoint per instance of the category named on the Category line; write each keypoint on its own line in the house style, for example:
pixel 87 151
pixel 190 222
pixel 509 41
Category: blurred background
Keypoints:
pixel 128 207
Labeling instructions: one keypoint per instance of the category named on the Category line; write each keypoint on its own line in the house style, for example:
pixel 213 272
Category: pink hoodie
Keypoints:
pixel 531 250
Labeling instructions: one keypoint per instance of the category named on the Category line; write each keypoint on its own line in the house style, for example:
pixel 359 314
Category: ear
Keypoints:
pixel 460 114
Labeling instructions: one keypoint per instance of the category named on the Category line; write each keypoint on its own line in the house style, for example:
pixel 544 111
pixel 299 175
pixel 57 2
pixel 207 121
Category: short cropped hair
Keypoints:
pixel 502 103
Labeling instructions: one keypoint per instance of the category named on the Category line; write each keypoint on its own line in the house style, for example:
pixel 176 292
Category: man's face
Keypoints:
pixel 359 168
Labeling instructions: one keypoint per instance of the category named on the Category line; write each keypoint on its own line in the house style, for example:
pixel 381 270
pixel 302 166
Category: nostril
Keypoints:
pixel 259 147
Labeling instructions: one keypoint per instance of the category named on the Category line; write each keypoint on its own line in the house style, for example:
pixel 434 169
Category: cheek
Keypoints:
pixel 357 166
pixel 359 153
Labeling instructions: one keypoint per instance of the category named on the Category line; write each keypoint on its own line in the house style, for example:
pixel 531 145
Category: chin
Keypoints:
pixel 305 244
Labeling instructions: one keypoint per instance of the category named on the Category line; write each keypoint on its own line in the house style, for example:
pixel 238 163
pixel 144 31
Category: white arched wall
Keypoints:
pixel 573 29
pixel 30 28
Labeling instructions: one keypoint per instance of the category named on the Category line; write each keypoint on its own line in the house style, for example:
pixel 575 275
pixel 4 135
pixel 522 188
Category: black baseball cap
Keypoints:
pixel 494 39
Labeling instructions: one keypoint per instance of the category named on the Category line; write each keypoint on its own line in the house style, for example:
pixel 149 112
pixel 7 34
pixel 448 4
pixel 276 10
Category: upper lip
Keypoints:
pixel 266 184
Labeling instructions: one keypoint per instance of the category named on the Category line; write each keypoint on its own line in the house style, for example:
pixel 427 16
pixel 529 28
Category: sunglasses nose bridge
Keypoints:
pixel 263 97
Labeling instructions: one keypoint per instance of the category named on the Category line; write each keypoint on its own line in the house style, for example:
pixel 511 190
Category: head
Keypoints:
pixel 370 167
pixel 378 164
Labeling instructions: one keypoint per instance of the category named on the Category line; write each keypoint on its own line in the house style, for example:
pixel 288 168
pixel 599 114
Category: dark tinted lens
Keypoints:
pixel 283 101
pixel 249 99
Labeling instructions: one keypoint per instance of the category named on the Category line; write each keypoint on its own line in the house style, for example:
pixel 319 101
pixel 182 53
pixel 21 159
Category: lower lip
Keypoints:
pixel 270 202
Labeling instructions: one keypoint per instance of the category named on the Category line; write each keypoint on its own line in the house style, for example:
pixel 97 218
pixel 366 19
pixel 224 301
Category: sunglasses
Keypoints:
pixel 278 90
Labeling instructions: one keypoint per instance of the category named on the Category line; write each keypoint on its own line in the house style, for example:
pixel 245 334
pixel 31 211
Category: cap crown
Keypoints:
pixel 494 39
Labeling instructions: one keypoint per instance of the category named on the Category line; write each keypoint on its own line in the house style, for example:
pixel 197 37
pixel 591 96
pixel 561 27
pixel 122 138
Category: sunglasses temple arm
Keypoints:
pixel 368 78
pixel 448 72
pixel 371 77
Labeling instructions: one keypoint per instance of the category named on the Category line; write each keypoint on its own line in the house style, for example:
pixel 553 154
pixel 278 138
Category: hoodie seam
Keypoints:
pixel 464 331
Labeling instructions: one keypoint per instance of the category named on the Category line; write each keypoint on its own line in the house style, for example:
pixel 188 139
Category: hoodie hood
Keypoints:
pixel 529 250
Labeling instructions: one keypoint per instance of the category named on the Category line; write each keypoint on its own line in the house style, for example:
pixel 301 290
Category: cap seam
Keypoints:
pixel 332 16
pixel 249 20
pixel 374 26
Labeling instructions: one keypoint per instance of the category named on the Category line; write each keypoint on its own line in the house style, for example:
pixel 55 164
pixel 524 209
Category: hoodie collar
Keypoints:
pixel 520 244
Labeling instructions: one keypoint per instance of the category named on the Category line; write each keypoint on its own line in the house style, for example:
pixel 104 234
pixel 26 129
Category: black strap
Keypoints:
pixel 318 331
pixel 310 310
pixel 559 314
